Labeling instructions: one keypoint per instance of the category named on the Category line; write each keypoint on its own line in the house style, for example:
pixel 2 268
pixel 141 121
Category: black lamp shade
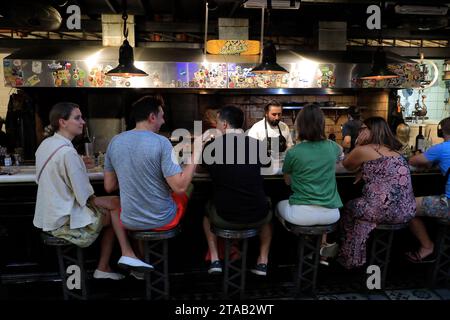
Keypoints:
pixel 126 66
pixel 380 70
pixel 269 63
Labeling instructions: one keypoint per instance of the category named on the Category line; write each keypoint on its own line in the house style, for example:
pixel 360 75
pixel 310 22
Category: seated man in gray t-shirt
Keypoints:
pixel 140 162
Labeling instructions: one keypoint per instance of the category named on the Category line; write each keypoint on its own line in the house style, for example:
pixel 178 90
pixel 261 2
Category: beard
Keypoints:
pixel 273 123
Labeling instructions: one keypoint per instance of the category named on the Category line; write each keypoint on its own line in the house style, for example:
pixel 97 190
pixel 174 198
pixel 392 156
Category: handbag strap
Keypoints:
pixel 48 159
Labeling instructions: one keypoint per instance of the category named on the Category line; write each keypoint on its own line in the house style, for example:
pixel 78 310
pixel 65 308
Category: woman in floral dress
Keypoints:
pixel 387 196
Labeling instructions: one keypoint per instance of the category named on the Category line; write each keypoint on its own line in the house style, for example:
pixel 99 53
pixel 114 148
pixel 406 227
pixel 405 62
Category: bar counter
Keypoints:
pixel 24 174
pixel 27 259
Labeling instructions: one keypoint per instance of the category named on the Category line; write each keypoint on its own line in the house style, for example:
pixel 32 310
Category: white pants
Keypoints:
pixel 307 215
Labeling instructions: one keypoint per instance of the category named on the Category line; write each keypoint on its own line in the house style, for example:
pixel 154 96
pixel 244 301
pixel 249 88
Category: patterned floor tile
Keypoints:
pixel 377 295
pixel 443 293
pixel 412 294
pixel 345 296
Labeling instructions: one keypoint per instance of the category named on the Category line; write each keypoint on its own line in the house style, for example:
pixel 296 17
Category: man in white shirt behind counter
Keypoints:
pixel 275 132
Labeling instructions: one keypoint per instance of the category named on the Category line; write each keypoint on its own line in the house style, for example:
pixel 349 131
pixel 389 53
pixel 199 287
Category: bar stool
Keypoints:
pixel 380 251
pixel 441 268
pixel 156 252
pixel 309 244
pixel 235 271
pixel 68 254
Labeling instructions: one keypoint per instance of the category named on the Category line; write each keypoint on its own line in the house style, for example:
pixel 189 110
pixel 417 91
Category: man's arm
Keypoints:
pixel 110 181
pixel 420 161
pixel 179 183
pixel 287 179
pixel 347 142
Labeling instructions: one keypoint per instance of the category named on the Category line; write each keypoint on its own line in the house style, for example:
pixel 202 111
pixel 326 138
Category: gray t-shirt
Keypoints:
pixel 142 160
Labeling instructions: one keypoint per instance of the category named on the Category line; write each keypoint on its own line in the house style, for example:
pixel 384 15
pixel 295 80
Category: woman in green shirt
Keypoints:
pixel 309 168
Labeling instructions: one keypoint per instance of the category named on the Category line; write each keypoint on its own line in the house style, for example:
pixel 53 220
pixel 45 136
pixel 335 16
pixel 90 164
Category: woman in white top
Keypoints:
pixel 66 206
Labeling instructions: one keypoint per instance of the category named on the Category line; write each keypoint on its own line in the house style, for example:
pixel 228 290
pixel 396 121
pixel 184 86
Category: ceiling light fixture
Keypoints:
pixel 379 70
pixel 126 66
pixel 269 63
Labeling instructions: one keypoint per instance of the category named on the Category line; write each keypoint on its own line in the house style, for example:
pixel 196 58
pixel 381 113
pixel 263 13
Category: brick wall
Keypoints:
pixel 375 103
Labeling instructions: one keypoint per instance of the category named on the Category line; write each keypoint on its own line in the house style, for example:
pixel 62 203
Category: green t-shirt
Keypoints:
pixel 312 166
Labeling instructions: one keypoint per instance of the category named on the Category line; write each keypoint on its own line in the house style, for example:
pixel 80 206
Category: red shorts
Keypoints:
pixel 181 200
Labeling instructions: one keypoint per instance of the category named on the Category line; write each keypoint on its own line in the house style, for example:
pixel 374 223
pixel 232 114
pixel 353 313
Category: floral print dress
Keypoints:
pixel 387 198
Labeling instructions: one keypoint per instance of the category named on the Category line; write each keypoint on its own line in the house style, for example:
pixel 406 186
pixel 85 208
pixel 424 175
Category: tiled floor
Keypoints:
pixel 334 284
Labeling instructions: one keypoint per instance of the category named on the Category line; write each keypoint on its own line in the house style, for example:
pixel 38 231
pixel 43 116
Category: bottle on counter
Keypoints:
pixel 420 141
pixel 101 159
pixel 7 160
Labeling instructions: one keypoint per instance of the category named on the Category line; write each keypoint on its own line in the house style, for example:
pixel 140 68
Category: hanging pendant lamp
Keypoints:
pixel 379 70
pixel 126 66
pixel 269 63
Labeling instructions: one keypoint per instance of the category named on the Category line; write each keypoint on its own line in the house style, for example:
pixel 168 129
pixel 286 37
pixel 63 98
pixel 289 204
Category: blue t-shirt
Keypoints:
pixel 142 160
pixel 440 154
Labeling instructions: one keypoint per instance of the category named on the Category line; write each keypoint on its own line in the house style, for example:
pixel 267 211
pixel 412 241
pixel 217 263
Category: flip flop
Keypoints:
pixel 414 257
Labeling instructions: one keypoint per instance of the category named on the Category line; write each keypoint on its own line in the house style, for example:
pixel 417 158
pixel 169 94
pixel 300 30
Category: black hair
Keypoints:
pixel 144 107
pixel 233 115
pixel 272 103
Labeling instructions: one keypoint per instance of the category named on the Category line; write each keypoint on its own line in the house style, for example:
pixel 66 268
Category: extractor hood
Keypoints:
pixel 190 68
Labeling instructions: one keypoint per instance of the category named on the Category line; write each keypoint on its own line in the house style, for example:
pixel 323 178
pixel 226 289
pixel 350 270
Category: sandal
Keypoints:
pixel 329 250
pixel 414 257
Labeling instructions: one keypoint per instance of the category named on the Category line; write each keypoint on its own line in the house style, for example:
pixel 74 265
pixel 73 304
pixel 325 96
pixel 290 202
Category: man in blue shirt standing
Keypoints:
pixel 436 206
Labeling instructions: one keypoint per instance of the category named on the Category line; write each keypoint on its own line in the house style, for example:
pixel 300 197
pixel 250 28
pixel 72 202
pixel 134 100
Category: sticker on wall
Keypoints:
pixel 36 67
pixel 97 78
pixel 33 80
pixel 54 66
pixel 79 76
pixel 61 77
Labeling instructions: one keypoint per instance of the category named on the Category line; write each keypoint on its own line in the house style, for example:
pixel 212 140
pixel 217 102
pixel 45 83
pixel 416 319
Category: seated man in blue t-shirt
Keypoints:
pixel 436 206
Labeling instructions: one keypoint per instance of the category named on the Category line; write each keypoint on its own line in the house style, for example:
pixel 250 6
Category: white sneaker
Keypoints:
pixel 134 264
pixel 107 275
pixel 137 275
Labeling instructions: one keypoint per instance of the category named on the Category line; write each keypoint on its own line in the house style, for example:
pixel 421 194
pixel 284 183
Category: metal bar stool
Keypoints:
pixel 235 270
pixel 441 268
pixel 156 252
pixel 380 251
pixel 309 244
pixel 69 254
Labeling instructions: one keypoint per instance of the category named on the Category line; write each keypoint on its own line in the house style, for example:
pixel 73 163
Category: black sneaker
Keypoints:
pixel 215 267
pixel 260 269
